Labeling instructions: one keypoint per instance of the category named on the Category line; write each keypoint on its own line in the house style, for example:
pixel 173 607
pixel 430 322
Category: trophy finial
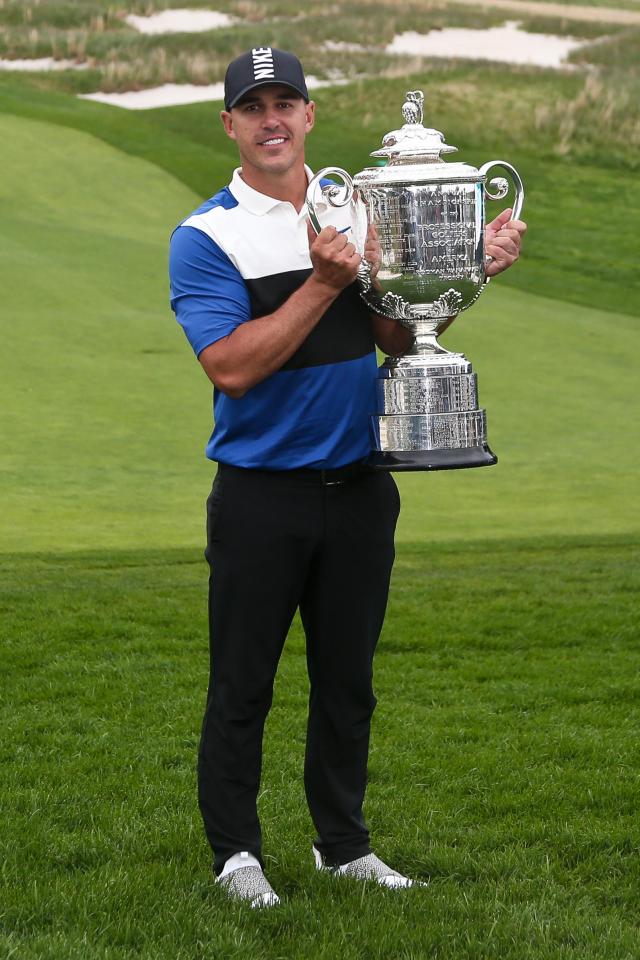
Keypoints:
pixel 412 106
pixel 413 142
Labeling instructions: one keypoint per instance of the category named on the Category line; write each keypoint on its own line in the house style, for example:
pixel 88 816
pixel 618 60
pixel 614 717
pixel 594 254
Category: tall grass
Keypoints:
pixel 586 116
pixel 598 123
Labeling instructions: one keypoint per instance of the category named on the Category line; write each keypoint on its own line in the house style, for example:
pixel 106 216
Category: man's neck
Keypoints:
pixel 290 187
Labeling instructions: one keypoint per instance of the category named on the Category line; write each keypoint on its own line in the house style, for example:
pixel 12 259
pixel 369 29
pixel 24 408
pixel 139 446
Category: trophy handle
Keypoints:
pixel 339 196
pixel 328 192
pixel 501 185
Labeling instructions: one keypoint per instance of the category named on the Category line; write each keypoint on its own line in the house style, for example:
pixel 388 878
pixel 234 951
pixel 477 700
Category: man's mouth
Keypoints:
pixel 273 142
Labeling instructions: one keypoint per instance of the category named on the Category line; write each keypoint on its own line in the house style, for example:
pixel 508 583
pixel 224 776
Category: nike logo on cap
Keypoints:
pixel 263 68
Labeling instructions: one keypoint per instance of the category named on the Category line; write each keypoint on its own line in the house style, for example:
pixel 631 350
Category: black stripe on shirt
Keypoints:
pixel 344 332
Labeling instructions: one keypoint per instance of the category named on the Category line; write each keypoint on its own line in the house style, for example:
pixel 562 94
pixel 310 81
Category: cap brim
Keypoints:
pixel 266 83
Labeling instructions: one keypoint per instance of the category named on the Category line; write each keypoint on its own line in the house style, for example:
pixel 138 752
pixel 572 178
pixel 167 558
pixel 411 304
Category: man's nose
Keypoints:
pixel 270 118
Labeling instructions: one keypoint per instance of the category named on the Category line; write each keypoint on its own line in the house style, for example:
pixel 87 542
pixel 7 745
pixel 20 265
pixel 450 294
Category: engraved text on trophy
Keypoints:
pixel 429 240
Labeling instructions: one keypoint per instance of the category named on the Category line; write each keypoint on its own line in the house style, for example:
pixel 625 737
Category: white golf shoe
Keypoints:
pixel 243 879
pixel 369 867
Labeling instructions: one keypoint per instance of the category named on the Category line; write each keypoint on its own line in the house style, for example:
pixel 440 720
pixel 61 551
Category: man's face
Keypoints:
pixel 270 125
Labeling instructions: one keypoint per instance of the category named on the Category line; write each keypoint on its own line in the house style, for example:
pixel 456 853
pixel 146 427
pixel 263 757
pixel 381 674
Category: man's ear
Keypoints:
pixel 311 115
pixel 227 123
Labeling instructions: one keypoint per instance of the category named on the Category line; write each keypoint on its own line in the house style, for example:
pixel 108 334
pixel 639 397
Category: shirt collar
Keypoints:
pixel 252 200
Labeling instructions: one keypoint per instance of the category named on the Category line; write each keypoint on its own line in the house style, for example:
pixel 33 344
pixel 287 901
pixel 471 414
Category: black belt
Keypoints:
pixel 325 478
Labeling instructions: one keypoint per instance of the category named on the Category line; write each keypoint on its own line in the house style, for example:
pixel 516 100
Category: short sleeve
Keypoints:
pixel 208 294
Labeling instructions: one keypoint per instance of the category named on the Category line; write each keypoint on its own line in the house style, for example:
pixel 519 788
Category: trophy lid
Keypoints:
pixel 414 153
pixel 413 142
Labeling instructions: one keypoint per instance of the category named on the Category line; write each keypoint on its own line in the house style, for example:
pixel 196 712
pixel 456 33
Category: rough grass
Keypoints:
pixel 579 117
pixel 120 58
pixel 504 763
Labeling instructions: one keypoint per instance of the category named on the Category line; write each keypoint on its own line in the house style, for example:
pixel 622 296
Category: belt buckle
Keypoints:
pixel 329 483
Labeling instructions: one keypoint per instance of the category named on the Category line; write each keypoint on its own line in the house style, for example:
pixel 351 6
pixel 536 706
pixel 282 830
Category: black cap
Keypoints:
pixel 260 66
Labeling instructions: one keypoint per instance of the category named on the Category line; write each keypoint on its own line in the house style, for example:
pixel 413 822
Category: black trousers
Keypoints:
pixel 277 541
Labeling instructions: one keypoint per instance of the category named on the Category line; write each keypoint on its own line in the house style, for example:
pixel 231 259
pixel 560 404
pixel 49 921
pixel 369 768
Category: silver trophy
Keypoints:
pixel 429 219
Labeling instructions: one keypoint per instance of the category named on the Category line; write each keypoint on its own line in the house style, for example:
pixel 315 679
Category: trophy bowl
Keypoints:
pixel 428 218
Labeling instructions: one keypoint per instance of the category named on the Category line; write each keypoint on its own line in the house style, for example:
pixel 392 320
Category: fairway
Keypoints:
pixel 102 404
pixel 105 412
pixel 504 764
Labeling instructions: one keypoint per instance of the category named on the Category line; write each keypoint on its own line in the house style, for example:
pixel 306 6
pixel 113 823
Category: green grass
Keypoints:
pixel 558 419
pixel 102 403
pixel 504 757
pixel 504 763
pixel 582 242
pixel 105 412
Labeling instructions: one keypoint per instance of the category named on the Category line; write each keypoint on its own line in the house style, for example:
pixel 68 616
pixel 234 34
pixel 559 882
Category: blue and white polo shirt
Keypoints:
pixel 240 256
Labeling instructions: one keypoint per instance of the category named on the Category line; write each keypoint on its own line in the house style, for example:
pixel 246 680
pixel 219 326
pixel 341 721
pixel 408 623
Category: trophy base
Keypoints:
pixel 399 460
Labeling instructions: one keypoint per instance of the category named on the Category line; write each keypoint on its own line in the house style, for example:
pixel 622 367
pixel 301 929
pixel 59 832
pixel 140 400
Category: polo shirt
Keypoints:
pixel 240 256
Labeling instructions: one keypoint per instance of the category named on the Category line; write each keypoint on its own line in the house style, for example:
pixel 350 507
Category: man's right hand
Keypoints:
pixel 260 346
pixel 335 260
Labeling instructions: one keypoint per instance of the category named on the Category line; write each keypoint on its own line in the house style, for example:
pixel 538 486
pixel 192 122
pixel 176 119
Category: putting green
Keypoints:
pixel 105 412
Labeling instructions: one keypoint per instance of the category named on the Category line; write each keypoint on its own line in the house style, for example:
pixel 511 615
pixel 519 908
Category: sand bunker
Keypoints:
pixel 43 63
pixel 168 95
pixel 506 44
pixel 180 21
pixel 178 94
pixel 342 46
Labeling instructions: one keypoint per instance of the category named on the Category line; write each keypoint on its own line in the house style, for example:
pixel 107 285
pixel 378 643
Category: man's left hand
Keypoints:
pixel 502 242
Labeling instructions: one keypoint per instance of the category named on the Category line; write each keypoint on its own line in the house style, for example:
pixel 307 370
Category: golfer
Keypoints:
pixel 294 519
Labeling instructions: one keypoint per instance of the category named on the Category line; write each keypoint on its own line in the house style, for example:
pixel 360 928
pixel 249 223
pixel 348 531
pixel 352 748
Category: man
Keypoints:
pixel 294 520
